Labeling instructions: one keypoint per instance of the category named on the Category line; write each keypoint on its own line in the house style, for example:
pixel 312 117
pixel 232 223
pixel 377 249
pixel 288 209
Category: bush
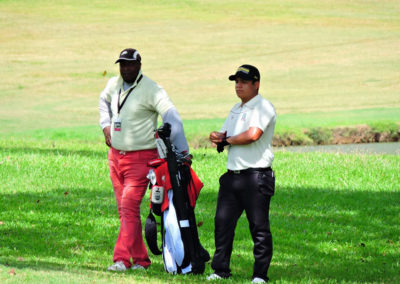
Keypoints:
pixel 291 137
pixel 320 135
pixel 386 131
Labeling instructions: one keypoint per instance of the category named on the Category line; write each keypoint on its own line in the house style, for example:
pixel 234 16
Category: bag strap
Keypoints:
pixel 150 232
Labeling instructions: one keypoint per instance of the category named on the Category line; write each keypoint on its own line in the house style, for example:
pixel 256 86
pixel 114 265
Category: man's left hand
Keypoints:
pixel 107 135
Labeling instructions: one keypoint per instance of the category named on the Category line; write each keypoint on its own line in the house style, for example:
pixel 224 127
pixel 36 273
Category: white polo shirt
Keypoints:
pixel 260 113
pixel 139 113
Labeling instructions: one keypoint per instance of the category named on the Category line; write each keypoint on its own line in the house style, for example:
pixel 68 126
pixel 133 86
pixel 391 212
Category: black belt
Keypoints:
pixel 250 170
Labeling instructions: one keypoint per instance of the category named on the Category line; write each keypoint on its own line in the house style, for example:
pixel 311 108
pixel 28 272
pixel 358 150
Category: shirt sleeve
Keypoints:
pixel 105 107
pixel 177 132
pixel 262 116
pixel 161 102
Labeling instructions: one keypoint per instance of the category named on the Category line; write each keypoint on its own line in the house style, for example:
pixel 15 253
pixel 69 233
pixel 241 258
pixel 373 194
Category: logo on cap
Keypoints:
pixel 246 72
pixel 242 69
pixel 129 54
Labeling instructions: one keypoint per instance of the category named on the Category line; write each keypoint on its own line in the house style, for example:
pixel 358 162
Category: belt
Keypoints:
pixel 250 170
pixel 122 152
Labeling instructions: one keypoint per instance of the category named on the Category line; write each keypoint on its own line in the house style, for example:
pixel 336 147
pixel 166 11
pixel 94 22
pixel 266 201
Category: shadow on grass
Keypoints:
pixel 70 225
pixel 343 235
pixel 319 234
pixel 324 235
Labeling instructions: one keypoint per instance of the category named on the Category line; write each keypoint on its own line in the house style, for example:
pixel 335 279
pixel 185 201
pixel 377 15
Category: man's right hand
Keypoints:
pixel 219 139
pixel 107 135
pixel 216 137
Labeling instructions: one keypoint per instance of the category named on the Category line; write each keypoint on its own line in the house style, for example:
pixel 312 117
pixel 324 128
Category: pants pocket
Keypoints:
pixel 221 179
pixel 266 183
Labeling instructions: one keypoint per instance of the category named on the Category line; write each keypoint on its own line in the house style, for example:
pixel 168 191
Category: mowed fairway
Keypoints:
pixel 324 56
pixel 334 218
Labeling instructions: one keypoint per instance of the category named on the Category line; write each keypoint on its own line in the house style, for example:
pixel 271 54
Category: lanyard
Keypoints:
pixel 119 95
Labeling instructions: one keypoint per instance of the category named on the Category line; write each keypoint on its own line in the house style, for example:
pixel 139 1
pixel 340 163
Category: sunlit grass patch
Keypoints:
pixel 333 216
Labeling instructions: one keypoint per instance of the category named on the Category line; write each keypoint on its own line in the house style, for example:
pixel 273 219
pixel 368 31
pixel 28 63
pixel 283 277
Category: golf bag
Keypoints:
pixel 174 191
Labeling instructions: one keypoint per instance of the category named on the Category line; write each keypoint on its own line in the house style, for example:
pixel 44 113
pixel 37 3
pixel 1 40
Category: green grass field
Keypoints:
pixel 330 57
pixel 334 217
pixel 323 63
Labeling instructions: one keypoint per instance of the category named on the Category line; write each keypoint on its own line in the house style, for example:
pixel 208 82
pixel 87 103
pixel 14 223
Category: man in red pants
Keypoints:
pixel 129 106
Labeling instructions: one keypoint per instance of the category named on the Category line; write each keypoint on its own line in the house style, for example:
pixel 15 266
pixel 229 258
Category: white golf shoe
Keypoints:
pixel 258 280
pixel 213 277
pixel 117 266
pixel 137 267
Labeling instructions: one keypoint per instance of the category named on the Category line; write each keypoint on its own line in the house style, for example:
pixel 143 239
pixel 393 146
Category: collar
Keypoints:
pixel 252 103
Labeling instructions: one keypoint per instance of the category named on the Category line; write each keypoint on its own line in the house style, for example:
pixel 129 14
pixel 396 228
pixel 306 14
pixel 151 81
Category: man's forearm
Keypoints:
pixel 247 137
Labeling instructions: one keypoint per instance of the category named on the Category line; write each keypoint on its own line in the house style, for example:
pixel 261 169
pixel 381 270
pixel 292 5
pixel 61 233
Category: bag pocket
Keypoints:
pixel 266 183
pixel 156 199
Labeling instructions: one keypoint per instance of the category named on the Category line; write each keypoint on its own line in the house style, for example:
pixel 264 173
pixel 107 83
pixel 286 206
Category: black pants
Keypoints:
pixel 251 192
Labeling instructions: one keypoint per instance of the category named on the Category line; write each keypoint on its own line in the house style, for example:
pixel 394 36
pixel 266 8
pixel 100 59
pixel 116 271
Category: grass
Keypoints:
pixel 334 217
pixel 323 64
pixel 334 59
pixel 304 129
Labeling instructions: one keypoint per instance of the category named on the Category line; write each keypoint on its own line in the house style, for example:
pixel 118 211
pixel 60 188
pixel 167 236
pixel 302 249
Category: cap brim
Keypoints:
pixel 240 75
pixel 124 59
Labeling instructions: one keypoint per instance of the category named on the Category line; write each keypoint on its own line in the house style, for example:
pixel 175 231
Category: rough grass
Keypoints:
pixel 334 217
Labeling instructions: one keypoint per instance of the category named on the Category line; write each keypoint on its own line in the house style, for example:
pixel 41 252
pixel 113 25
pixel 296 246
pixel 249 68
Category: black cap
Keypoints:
pixel 246 72
pixel 129 54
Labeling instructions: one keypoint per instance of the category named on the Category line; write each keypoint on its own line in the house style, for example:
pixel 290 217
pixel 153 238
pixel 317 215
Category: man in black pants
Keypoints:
pixel 249 183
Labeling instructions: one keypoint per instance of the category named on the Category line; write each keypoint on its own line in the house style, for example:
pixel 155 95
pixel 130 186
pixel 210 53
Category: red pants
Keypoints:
pixel 128 175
